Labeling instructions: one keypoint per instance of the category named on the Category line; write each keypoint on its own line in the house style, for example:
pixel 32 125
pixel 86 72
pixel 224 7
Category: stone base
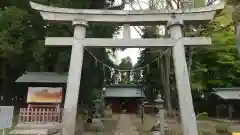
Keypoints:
pixel 34 132
pixel 36 129
pixel 96 125
pixel 234 129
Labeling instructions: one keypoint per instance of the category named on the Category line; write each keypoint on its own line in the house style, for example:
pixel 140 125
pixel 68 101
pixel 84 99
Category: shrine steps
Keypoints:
pixel 33 132
pixel 36 129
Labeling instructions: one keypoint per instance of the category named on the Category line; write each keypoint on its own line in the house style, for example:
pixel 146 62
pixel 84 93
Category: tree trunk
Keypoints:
pixel 4 80
pixel 166 80
pixel 190 53
pixel 238 37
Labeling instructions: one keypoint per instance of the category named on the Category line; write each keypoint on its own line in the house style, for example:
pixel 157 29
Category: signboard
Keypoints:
pixel 44 95
pixel 6 116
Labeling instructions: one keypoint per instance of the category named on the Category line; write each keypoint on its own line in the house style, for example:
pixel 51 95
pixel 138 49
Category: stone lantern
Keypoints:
pixel 159 104
pixel 98 107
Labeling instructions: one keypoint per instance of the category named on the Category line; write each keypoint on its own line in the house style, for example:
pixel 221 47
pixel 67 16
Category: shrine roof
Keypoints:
pixel 43 77
pixel 124 85
pixel 124 91
pixel 227 93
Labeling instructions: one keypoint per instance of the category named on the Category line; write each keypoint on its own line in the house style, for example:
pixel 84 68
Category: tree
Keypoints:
pixel 221 57
pixel 155 77
pixel 22 33
pixel 126 64
pixel 236 19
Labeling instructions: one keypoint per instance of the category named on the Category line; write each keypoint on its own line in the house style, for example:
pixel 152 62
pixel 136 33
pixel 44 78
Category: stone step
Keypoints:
pixel 234 129
pixel 34 131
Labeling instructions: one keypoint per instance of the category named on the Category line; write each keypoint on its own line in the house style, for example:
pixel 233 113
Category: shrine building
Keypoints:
pixel 123 97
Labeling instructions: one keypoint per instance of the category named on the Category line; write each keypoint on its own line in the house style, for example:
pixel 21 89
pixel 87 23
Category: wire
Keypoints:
pixel 135 69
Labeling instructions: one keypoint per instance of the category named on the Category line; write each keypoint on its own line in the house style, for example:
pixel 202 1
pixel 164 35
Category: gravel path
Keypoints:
pixel 125 126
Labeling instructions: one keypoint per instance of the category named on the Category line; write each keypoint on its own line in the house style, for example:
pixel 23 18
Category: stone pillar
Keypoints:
pixel 74 78
pixel 188 118
pixel 162 121
pixel 126 31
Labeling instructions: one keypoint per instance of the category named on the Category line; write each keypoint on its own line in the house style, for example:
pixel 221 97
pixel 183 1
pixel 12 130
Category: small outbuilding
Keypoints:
pixel 44 94
pixel 41 79
pixel 123 97
pixel 224 103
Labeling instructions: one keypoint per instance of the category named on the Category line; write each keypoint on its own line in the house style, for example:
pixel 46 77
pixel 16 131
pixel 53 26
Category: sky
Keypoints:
pixel 133 53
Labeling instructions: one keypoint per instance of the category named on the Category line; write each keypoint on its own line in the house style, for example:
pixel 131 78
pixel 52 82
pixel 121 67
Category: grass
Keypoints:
pixel 202 116
pixel 222 128
pixel 109 128
pixel 109 123
pixel 145 128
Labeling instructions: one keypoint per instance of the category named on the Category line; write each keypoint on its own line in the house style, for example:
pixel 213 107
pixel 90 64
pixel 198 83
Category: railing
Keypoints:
pixel 40 115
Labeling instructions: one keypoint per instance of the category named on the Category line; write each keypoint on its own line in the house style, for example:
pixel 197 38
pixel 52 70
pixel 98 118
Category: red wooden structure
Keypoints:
pixel 124 97
pixel 116 106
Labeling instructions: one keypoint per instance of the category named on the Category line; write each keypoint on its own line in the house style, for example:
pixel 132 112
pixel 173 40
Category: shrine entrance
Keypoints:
pixel 124 98
pixel 173 19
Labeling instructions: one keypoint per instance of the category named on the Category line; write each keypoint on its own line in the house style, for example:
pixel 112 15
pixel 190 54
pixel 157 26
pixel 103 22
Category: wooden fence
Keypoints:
pixel 40 115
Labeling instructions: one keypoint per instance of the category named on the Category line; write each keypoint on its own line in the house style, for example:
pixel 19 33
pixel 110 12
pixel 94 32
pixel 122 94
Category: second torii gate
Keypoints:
pixel 174 20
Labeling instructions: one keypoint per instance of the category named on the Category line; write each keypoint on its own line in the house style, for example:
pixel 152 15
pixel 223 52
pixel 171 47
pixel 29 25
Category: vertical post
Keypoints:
pixel 167 85
pixel 126 31
pixel 74 78
pixel 142 111
pixel 162 121
pixel 230 111
pixel 188 118
pixel 3 131
pixel 238 37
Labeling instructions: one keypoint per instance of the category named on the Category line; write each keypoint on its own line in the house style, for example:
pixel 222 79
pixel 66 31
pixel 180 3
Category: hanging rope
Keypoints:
pixel 130 70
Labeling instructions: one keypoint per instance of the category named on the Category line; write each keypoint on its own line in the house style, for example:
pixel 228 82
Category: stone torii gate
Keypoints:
pixel 174 20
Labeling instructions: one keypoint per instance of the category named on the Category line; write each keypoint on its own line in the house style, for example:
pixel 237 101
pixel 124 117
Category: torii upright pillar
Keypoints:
pixel 74 77
pixel 188 118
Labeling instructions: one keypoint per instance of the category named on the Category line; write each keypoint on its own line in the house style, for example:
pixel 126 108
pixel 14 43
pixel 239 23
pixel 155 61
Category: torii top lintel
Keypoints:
pixel 189 16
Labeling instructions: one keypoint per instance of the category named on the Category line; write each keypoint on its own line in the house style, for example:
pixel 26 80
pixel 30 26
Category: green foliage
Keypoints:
pixel 202 116
pixel 151 74
pixel 126 64
pixel 199 3
pixel 91 95
pixel 22 48
pixel 200 132
pixel 222 56
pixel 222 128
pixel 11 32
pixel 233 2
pixel 213 66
